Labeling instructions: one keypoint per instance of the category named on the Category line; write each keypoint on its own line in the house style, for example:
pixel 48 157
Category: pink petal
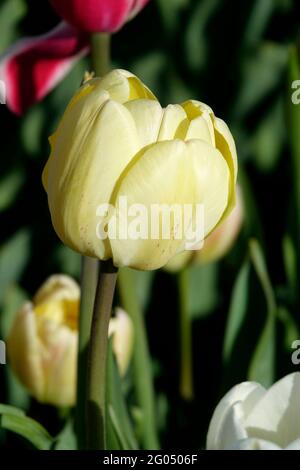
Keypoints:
pixel 98 15
pixel 33 66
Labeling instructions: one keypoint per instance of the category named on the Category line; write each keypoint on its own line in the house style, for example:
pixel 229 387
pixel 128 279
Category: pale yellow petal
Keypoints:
pixel 121 328
pixel 213 179
pixel 179 261
pixel 171 173
pixel 86 161
pixel 24 351
pixel 198 129
pixel 147 115
pixel 155 178
pixel 174 116
pixel 194 109
pixel 59 366
pixel 57 287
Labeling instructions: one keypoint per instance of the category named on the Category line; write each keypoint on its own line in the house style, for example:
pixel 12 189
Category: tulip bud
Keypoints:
pixel 218 242
pixel 121 330
pixel 249 417
pixel 98 16
pixel 115 143
pixel 42 343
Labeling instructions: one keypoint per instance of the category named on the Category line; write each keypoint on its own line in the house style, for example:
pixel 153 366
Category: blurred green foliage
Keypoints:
pixel 237 57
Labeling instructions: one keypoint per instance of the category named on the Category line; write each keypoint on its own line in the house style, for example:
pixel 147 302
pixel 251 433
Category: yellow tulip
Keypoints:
pixel 114 141
pixel 218 242
pixel 121 330
pixel 43 341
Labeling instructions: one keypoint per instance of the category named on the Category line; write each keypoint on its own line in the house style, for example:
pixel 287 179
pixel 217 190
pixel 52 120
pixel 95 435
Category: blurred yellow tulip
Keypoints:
pixel 121 330
pixel 115 141
pixel 42 344
pixel 218 242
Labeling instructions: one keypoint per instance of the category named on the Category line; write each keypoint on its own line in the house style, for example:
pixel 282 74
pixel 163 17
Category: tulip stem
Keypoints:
pixel 100 50
pixel 97 357
pixel 89 279
pixel 141 360
pixel 186 354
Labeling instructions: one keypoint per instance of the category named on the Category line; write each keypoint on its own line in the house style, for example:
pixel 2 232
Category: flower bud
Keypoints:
pixel 42 343
pixel 249 417
pixel 221 239
pixel 98 16
pixel 115 143
pixel 121 330
pixel 218 242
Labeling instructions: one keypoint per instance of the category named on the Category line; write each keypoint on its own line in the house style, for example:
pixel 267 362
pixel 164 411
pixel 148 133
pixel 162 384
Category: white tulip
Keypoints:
pixel 249 417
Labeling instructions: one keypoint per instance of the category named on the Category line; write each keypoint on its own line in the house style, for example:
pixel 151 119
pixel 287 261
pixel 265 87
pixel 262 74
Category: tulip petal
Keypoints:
pixel 83 168
pixel 225 143
pixel 24 351
pixel 195 109
pixel 210 172
pixel 153 178
pixel 248 393
pixel 59 366
pixel 173 117
pixel 33 66
pixel 57 287
pixel 121 328
pixel 98 16
pixel 232 428
pixel 255 444
pixel 147 115
pixel 276 417
pixel 198 129
pixel 295 445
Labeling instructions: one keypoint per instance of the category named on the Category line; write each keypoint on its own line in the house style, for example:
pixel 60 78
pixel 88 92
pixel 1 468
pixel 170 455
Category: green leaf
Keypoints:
pixel 258 21
pixel 14 255
pixel 252 223
pixel 237 310
pixel 203 294
pixel 171 11
pixel 118 413
pixel 12 410
pixel 28 428
pixel 10 185
pixel 13 298
pixel 261 74
pixel 293 126
pixel 143 281
pixel 196 35
pixel 262 366
pixel 268 139
pixel 291 330
pixel 66 439
pixel 31 129
pixel 11 12
pixel 290 262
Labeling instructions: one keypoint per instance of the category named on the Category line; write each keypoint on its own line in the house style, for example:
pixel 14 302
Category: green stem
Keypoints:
pixel 141 360
pixel 186 355
pixel 100 50
pixel 89 279
pixel 97 358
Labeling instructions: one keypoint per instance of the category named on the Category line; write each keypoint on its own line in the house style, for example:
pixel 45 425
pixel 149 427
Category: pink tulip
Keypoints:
pixel 98 15
pixel 33 66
